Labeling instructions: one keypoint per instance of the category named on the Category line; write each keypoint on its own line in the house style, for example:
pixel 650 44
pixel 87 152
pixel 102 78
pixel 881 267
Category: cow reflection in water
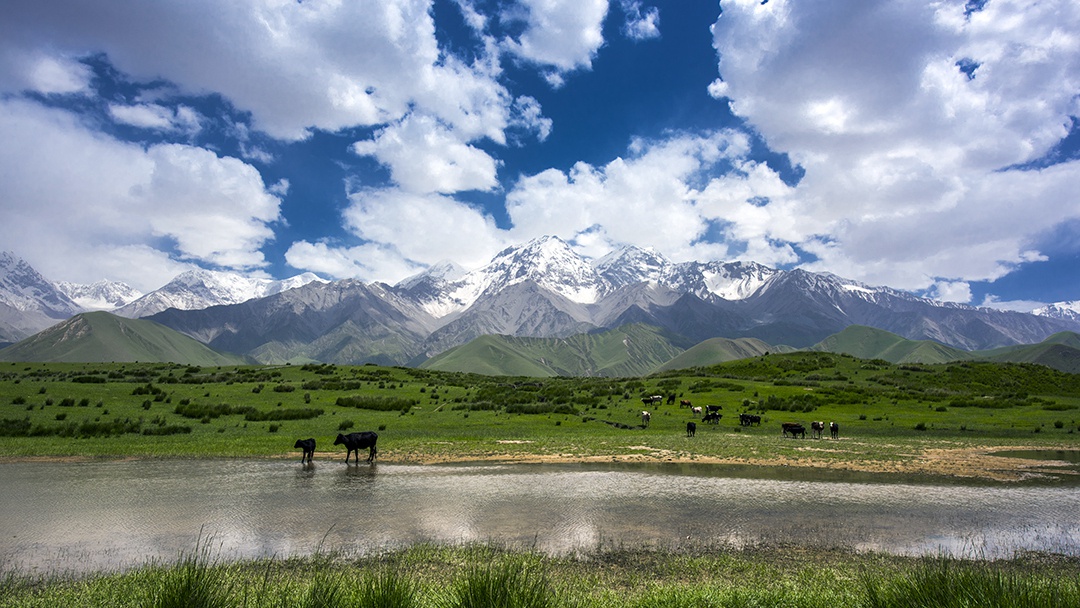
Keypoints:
pixel 354 442
pixel 308 446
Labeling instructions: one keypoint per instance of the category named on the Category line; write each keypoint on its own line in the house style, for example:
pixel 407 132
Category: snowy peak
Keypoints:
pixel 101 295
pixel 631 265
pixel 727 280
pixel 549 262
pixel 198 289
pixel 1069 311
pixel 24 289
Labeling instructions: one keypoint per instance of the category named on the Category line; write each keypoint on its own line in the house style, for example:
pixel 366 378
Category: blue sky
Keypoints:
pixel 927 146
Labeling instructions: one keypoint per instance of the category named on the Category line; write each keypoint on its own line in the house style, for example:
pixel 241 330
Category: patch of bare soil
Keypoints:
pixel 967 462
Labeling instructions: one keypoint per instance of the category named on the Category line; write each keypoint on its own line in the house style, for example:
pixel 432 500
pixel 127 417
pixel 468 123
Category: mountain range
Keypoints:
pixel 541 289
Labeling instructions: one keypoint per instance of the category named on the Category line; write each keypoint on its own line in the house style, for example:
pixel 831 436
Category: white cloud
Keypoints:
pixel 78 202
pixel 423 229
pixel 950 291
pixel 906 158
pixel 157 117
pixel 992 301
pixel 425 157
pixel 43 73
pixel 640 25
pixel 295 66
pixel 368 262
pixel 562 34
pixel 652 198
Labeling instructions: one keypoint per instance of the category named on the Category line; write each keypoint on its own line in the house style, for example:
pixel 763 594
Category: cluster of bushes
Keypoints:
pixel 379 404
pixel 89 428
pixel 282 414
pixel 198 411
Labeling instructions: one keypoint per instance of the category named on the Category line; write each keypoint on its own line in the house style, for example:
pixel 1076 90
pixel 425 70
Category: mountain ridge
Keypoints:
pixel 544 289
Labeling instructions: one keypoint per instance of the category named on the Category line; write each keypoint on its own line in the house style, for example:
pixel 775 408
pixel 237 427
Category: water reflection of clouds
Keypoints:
pixel 107 515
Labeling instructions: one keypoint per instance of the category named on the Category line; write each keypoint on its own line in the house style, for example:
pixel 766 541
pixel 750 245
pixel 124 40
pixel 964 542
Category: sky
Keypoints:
pixel 929 146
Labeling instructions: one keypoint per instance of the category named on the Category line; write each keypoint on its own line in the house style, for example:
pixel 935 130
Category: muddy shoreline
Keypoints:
pixel 979 463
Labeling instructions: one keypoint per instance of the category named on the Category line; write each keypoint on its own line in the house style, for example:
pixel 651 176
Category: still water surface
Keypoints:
pixel 112 515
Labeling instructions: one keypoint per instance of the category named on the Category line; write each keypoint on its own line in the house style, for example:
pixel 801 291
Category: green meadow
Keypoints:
pixel 428 576
pixel 886 412
pixel 889 415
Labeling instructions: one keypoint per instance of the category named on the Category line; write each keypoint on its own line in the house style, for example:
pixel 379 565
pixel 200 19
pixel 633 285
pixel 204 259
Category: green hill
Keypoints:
pixel 631 350
pixel 100 337
pixel 870 343
pixel 1060 351
pixel 720 350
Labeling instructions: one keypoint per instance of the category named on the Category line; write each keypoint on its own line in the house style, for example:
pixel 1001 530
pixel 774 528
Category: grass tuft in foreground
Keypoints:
pixel 435 576
pixel 950 584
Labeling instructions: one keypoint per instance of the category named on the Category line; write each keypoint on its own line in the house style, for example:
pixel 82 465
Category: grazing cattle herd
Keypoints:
pixel 354 442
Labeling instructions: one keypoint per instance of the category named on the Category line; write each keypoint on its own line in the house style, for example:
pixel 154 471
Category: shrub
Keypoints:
pixel 381 404
pixel 283 414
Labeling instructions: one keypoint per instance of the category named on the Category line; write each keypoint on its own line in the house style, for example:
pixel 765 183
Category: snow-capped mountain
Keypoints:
pixel 539 289
pixel 630 265
pixel 550 263
pixel 100 295
pixel 547 261
pixel 1061 310
pixel 199 289
pixel 28 301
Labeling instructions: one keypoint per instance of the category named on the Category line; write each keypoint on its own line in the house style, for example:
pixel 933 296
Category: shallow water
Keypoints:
pixel 85 517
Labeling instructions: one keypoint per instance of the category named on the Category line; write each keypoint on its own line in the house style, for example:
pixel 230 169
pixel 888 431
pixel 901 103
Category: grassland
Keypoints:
pixel 926 419
pixel 484 577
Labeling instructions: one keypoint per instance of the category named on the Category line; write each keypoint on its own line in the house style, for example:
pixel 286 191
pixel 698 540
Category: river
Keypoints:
pixel 94 516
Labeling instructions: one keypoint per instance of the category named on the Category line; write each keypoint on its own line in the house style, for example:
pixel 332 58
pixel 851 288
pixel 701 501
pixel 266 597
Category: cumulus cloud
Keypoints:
pixel 422 229
pixel 74 196
pixel 909 153
pixel 35 70
pixel 424 157
pixel 564 35
pixel 369 262
pixel 641 23
pixel 294 66
pixel 666 194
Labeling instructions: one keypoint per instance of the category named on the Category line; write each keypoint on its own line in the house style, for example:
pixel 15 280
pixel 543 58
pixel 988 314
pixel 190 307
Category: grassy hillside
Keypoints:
pixel 1060 351
pixel 102 337
pixel 720 350
pixel 870 343
pixel 631 350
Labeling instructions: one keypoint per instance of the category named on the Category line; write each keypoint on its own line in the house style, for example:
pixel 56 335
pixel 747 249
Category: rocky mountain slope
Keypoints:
pixel 542 289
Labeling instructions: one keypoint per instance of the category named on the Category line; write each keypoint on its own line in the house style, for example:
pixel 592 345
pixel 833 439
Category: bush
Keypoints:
pixel 284 414
pixel 380 404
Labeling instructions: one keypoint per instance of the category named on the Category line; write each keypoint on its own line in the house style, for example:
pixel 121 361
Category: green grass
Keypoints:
pixel 431 576
pixel 886 412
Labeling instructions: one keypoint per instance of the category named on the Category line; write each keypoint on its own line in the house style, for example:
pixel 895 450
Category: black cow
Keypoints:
pixel 834 430
pixel 816 429
pixel 748 419
pixel 713 418
pixel 712 409
pixel 691 429
pixel 794 429
pixel 353 442
pixel 308 445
